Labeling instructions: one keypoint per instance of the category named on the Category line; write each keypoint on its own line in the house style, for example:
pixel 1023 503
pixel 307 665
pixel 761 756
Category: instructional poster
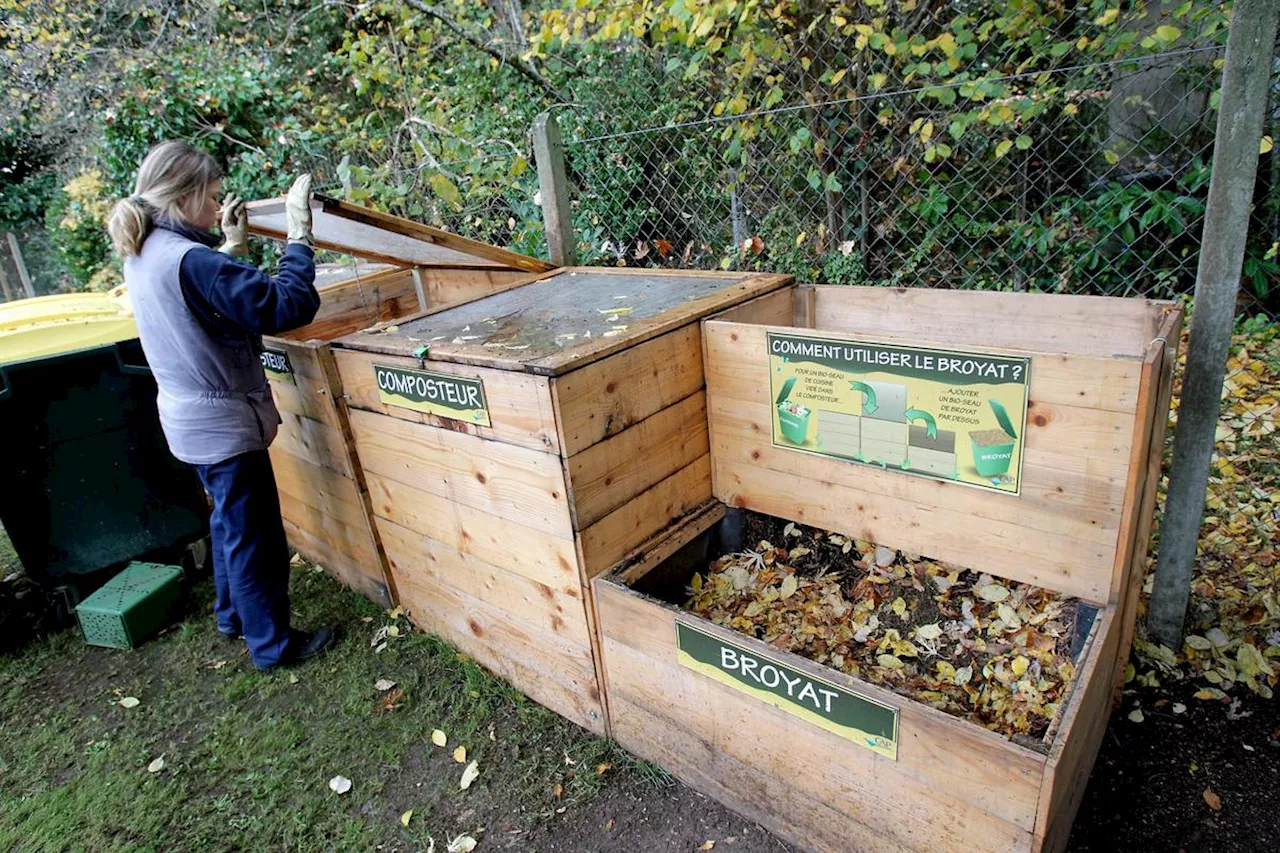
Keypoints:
pixel 945 414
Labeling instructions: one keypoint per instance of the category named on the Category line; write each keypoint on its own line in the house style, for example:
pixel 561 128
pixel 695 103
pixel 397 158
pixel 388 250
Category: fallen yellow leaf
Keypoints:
pixel 439 738
pixel 460 755
pixel 406 817
pixel 1212 799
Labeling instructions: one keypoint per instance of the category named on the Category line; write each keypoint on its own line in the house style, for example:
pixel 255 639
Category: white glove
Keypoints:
pixel 297 208
pixel 235 226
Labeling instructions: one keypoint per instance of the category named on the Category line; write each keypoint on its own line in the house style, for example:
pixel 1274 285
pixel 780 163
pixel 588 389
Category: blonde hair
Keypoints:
pixel 173 174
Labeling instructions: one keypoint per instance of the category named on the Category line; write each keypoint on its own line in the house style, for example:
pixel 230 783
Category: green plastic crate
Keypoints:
pixel 131 606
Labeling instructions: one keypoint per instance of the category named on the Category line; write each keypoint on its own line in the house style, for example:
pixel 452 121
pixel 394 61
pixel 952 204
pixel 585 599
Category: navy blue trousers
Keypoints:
pixel 250 554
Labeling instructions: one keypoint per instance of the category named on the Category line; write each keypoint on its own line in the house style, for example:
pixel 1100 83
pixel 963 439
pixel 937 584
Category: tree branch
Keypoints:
pixel 521 65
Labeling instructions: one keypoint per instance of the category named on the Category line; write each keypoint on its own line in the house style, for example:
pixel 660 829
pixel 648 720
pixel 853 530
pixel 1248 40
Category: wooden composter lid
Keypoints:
pixel 564 320
pixel 344 227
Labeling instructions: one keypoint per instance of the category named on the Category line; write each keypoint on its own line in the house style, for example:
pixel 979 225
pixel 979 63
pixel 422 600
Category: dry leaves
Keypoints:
pixel 462 844
pixel 406 817
pixel 340 784
pixel 460 755
pixel 129 702
pixel 993 652
pixel 382 685
pixel 1234 616
pixel 156 766
pixel 469 775
pixel 1212 800
pixel 439 738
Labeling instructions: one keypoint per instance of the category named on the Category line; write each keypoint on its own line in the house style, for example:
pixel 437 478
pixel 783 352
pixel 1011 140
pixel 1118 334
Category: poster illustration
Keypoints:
pixel 944 414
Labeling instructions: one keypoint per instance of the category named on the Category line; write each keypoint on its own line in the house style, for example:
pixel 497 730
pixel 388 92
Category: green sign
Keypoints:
pixel 276 364
pixel 457 398
pixel 944 414
pixel 825 704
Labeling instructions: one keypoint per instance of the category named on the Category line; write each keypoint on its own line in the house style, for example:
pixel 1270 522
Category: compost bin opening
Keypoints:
pixel 997 653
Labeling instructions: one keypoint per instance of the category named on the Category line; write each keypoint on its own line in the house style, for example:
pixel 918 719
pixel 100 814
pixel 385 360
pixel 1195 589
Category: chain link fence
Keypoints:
pixel 1083 179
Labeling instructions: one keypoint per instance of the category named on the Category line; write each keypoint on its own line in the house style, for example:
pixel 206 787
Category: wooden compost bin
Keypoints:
pixel 323 497
pixel 596 438
pixel 1098 397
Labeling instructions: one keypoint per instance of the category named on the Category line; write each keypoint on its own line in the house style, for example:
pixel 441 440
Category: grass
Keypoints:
pixel 248 755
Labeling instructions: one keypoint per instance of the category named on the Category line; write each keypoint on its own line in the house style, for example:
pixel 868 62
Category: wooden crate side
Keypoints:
pixel 782 307
pixel 614 471
pixel 449 286
pixel 1081 499
pixel 306 397
pixel 339 563
pixel 954 786
pixel 357 304
pixel 738 355
pixel 314 441
pixel 1079 737
pixel 520 405
pixel 1169 340
pixel 613 537
pixel 1083 325
pixel 1060 532
pixel 552 668
pixel 511 482
pixel 539 556
pixel 608 396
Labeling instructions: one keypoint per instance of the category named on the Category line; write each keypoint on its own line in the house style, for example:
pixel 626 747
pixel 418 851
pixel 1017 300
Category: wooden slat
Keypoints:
pixel 450 287
pixel 1084 503
pixel 353 213
pixel 313 441
pixel 307 483
pixel 1004 548
pixel 739 355
pixel 620 532
pixel 1083 726
pixel 537 555
pixel 1049 323
pixel 1168 342
pixel 308 398
pixel 618 469
pixel 341 564
pixel 610 395
pixel 551 669
pixel 557 612
pixel 515 483
pixel 520 406
pixel 358 304
pixel 954 786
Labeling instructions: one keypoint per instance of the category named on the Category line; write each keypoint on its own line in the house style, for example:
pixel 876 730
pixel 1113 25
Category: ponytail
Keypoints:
pixel 129 226
pixel 171 175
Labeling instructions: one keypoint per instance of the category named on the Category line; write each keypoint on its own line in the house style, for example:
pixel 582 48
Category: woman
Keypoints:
pixel 201 314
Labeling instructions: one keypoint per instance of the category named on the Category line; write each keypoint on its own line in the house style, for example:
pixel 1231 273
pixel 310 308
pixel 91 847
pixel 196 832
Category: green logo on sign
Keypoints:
pixel 825 704
pixel 457 398
pixel 275 363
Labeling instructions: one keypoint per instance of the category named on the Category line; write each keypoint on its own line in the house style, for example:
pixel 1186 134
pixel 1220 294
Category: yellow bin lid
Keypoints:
pixel 66 322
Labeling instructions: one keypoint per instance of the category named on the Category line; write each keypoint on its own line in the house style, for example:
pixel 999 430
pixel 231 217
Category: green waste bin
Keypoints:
pixel 89 483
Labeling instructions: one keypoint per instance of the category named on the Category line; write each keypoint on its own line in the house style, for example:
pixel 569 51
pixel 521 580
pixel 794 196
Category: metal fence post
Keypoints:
pixel 21 264
pixel 557 217
pixel 1245 77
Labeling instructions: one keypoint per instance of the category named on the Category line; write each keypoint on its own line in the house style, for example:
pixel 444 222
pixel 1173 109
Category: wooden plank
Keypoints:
pixel 1076 747
pixel 450 287
pixel 1169 340
pixel 340 564
pixel 553 670
pixel 778 308
pixel 553 186
pixel 619 533
pixel 515 483
pixel 567 320
pixel 313 441
pixel 307 483
pixel 1084 503
pixel 556 611
pixel 308 398
pixel 1037 322
pixel 608 396
pixel 611 473
pixel 520 406
pixel 1005 548
pixel 954 786
pixel 537 555
pixel 358 304
pixel 353 213
pixel 739 354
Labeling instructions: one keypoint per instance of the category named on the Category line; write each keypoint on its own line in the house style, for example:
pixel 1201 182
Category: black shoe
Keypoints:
pixel 305 645
pixel 233 639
